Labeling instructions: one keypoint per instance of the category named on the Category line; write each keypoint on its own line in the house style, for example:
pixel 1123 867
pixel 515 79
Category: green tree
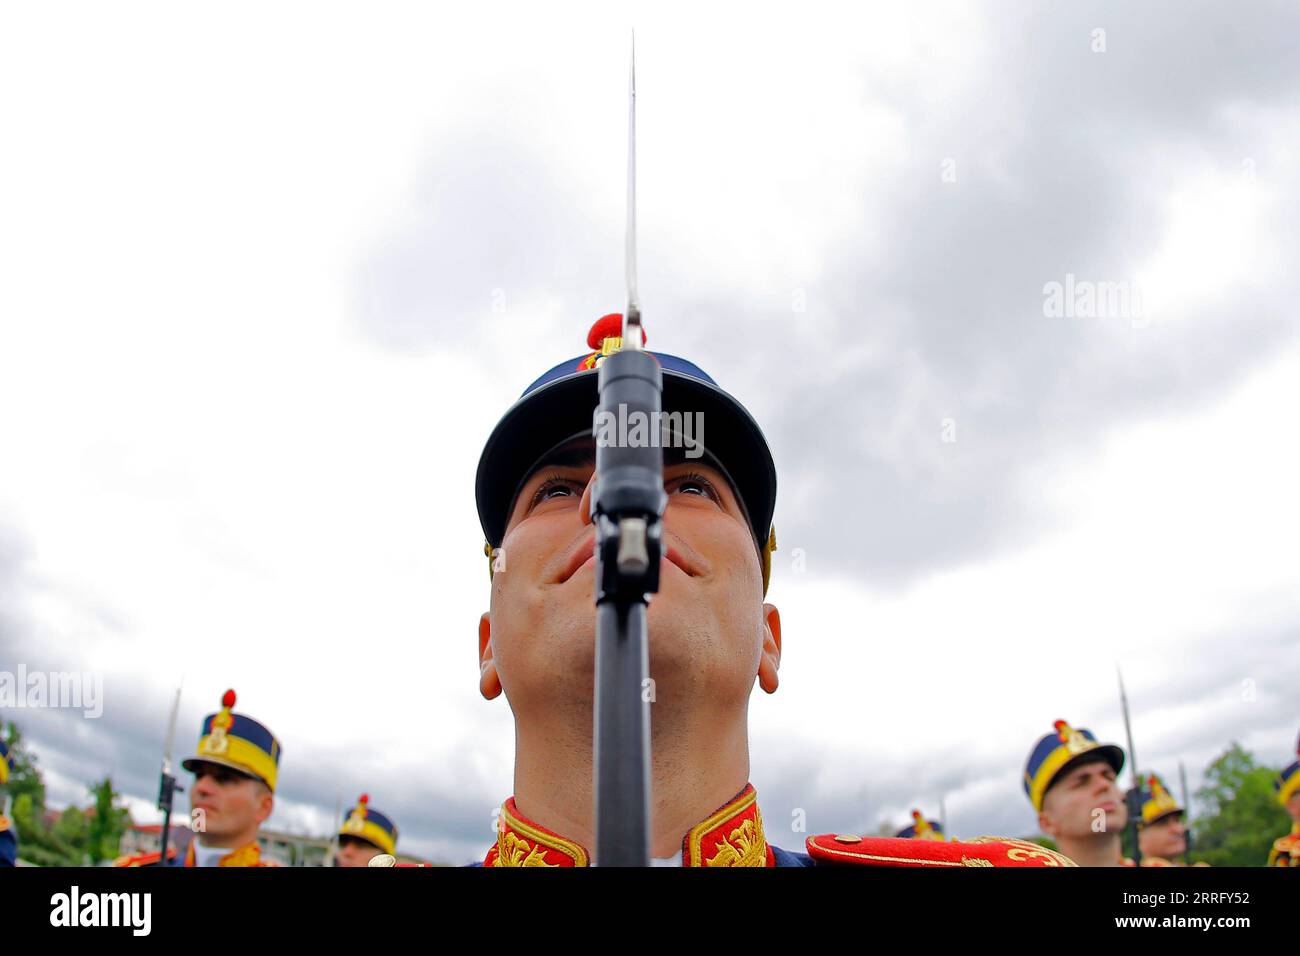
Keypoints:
pixel 24 778
pixel 1042 840
pixel 106 826
pixel 71 828
pixel 1242 816
pixel 37 843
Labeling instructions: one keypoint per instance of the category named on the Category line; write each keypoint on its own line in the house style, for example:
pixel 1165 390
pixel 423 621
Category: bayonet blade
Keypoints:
pixel 1128 728
pixel 1134 797
pixel 171 731
pixel 632 314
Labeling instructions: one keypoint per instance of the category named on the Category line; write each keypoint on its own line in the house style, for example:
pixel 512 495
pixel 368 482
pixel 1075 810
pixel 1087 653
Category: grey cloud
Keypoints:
pixel 957 304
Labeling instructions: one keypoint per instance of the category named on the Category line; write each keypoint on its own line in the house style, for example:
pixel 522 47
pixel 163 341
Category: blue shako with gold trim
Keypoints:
pixel 237 741
pixel 1060 750
pixel 366 823
pixel 560 404
pixel 1156 801
pixel 8 838
pixel 1287 782
pixel 6 762
pixel 922 829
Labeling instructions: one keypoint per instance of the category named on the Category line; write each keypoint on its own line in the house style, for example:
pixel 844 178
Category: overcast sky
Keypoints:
pixel 269 275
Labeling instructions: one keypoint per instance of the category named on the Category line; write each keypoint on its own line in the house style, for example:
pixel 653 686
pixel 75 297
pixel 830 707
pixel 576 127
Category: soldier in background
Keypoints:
pixel 1162 835
pixel 365 834
pixel 922 829
pixel 235 773
pixel 235 770
pixel 1072 782
pixel 1286 849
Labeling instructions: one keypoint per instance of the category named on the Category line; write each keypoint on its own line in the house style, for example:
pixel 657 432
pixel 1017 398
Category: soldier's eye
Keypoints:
pixel 556 486
pixel 693 484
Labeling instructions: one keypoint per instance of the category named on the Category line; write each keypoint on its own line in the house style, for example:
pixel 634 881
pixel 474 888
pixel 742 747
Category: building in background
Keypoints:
pixel 147 838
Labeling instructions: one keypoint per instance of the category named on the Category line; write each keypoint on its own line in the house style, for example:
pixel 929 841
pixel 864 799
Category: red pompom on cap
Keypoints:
pixel 608 326
pixel 364 799
pixel 228 699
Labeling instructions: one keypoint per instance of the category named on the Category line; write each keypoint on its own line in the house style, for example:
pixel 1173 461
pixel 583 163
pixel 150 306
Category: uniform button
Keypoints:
pixel 384 859
pixel 847 837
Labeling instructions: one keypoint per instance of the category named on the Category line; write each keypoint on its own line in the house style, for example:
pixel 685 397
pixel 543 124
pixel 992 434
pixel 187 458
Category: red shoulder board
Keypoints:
pixel 847 848
pixel 145 859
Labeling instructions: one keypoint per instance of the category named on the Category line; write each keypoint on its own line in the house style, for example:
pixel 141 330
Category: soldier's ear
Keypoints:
pixel 265 804
pixel 489 684
pixel 1047 825
pixel 769 661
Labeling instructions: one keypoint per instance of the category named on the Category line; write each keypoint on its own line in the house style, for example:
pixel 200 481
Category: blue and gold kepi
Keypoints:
pixel 1288 781
pixel 560 404
pixel 6 761
pixel 922 829
pixel 8 839
pixel 370 825
pixel 1157 802
pixel 1060 750
pixel 237 741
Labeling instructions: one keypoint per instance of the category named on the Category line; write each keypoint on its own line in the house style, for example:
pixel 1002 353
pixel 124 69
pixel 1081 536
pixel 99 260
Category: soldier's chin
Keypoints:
pixel 217 830
pixel 683 624
pixel 669 630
